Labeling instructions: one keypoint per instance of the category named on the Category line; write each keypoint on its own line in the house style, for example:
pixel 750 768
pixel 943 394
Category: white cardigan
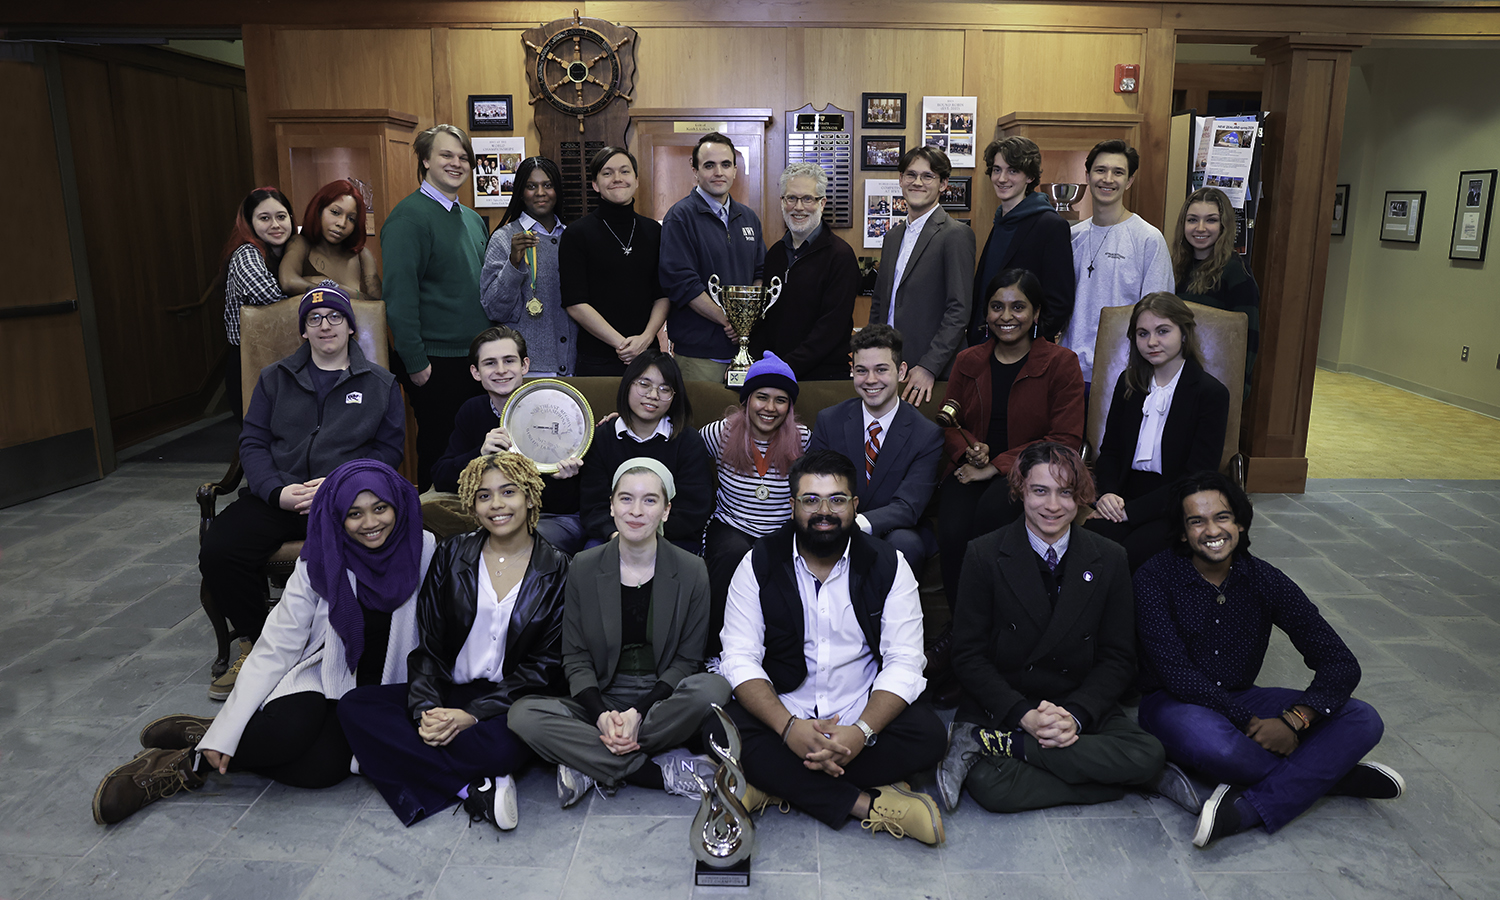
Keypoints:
pixel 299 651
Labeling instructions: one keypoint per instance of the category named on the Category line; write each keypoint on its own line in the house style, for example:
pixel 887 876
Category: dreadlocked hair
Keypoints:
pixel 521 472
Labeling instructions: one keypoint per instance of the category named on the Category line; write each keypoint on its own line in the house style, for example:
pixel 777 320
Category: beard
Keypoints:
pixel 824 543
pixel 801 235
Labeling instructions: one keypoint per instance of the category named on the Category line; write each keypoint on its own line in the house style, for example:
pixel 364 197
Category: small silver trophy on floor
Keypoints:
pixel 743 305
pixel 723 835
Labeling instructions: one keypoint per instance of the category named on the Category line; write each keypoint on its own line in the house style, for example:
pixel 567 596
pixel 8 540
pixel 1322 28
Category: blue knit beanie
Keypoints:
pixel 769 371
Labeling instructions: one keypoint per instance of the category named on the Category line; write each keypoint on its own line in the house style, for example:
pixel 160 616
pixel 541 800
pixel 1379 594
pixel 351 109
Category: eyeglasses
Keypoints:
pixel 664 391
pixel 315 319
pixel 911 177
pixel 812 502
pixel 795 202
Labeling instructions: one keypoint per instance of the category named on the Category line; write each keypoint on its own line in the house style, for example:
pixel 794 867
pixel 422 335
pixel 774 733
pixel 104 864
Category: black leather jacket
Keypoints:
pixel 445 614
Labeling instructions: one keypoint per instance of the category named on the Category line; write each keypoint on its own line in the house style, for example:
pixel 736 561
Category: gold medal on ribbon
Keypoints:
pixel 533 306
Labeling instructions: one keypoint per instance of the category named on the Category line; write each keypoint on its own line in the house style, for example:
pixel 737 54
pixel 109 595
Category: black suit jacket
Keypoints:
pixel 591 638
pixel 445 615
pixel 1012 648
pixel 1191 441
pixel 906 471
pixel 1043 245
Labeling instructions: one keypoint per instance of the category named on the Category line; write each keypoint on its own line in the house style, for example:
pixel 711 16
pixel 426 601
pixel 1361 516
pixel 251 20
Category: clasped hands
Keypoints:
pixel 1051 725
pixel 824 745
pixel 618 730
pixel 440 725
pixel 298 498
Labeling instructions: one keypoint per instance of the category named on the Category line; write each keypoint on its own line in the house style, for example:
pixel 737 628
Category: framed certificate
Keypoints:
pixel 549 421
pixel 1471 215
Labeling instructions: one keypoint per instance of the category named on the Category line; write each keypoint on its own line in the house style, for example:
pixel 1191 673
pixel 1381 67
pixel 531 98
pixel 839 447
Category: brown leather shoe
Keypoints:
pixel 152 775
pixel 178 731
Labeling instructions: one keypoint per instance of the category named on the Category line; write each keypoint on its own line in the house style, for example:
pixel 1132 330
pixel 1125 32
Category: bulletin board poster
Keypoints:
pixel 495 164
pixel 885 208
pixel 948 124
pixel 1229 156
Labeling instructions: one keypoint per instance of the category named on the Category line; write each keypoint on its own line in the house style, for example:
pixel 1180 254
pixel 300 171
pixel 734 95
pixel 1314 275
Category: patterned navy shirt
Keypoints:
pixel 1204 644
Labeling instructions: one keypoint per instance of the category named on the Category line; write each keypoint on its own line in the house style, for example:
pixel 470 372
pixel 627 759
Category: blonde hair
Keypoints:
pixel 521 472
pixel 1207 278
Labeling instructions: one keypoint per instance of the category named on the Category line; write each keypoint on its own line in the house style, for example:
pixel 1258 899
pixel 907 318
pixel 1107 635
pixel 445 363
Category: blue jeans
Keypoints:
pixel 1280 788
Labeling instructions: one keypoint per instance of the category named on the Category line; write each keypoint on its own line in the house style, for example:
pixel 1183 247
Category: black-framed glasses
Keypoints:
pixel 795 202
pixel 314 319
pixel 812 502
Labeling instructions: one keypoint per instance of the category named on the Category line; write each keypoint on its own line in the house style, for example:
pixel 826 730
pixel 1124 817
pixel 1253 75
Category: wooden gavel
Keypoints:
pixel 947 417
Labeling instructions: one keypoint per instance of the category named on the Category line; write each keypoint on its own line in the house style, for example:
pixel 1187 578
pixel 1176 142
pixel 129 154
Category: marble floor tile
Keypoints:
pixel 1471 760
pixel 468 882
pixel 982 841
pixel 1484 886
pixel 1255 886
pixel 1123 858
pixel 228 879
pixel 1414 595
pixel 1444 665
pixel 1055 885
pixel 151 854
pixel 631 857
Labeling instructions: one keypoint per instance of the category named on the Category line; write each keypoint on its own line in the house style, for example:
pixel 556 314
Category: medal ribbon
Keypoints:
pixel 762 462
pixel 531 264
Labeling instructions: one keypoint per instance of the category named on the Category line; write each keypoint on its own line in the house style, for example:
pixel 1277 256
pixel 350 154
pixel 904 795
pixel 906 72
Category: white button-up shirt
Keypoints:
pixel 1154 411
pixel 908 244
pixel 841 670
pixel 483 653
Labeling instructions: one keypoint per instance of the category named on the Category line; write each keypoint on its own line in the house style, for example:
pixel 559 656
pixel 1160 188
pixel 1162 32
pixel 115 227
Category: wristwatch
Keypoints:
pixel 870 734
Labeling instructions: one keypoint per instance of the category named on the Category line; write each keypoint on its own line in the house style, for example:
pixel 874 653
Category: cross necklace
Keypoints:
pixel 1102 242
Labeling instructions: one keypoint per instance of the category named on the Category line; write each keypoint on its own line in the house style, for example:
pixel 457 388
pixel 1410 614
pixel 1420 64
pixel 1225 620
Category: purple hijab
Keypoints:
pixel 386 576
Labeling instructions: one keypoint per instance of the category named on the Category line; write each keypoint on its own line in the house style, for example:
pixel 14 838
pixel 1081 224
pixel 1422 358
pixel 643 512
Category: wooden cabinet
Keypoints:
pixel 663 141
pixel 1065 140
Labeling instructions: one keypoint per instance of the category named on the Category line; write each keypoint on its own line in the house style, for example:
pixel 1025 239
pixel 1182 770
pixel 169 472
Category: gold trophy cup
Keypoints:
pixel 743 305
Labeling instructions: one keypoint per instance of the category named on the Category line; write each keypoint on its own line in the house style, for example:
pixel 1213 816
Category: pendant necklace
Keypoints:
pixel 1102 242
pixel 625 246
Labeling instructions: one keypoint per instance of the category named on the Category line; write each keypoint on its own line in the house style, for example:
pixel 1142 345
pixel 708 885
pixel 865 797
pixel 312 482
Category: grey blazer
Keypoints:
pixel 591 639
pixel 935 294
pixel 906 472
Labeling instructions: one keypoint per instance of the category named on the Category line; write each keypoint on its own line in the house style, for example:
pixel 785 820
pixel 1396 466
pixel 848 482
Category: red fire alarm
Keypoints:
pixel 1127 79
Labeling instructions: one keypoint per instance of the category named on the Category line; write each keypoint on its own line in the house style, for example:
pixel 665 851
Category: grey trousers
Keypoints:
pixel 1100 766
pixel 559 730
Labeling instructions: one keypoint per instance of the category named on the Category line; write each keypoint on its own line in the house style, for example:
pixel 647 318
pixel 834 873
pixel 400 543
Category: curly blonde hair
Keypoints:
pixel 521 472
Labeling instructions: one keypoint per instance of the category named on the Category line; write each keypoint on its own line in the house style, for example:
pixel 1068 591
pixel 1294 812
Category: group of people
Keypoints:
pixel 591 617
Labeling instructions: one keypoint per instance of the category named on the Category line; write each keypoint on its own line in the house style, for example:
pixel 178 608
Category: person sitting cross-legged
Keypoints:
pixel 1044 647
pixel 823 644
pixel 1205 611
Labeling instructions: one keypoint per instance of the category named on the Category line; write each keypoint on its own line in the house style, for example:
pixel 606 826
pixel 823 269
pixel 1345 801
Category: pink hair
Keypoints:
pixel 739 454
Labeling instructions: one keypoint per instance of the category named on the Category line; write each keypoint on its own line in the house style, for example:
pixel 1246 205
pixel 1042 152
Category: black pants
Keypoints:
pixel 237 545
pixel 234 389
pixel 296 740
pixel 969 510
pixel 913 741
pixel 435 405
pixel 1141 539
pixel 725 548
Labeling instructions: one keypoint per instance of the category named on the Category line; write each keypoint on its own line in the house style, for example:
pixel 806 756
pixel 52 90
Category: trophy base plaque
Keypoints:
pixel 735 378
pixel 737 875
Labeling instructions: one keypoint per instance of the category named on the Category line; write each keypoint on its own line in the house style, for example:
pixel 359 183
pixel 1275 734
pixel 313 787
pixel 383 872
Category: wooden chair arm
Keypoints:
pixel 210 491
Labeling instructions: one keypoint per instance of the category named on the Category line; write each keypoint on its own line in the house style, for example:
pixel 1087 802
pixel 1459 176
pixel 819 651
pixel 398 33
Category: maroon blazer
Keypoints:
pixel 1046 402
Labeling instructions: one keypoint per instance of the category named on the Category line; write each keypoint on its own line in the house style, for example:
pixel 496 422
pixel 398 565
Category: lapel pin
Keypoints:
pixel 1088 576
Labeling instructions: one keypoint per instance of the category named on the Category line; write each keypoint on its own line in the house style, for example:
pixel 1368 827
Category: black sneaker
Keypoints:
pixel 1219 817
pixel 492 800
pixel 1372 781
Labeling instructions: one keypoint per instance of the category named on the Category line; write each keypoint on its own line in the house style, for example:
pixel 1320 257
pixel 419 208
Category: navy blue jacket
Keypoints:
pixel 695 245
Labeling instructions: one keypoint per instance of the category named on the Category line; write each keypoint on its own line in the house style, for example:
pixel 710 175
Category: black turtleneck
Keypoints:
pixel 594 269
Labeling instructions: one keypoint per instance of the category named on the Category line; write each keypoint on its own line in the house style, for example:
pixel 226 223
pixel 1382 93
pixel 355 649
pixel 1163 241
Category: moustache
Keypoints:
pixel 820 520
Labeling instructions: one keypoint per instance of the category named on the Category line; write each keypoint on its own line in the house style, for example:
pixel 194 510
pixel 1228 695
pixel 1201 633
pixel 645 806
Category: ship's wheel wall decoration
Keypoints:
pixel 581 73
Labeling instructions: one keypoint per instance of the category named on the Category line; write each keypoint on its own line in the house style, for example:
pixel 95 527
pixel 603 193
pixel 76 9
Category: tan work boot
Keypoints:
pixel 222 686
pixel 152 775
pixel 905 813
pixel 178 731
pixel 758 801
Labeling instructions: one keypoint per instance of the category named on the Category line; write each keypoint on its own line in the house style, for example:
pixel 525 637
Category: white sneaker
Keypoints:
pixel 683 774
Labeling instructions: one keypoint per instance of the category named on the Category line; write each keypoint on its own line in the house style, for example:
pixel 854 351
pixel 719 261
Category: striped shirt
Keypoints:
pixel 736 504
pixel 249 282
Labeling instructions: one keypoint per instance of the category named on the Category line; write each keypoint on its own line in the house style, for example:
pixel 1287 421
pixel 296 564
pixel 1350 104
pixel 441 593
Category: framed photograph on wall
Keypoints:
pixel 956 196
pixel 1401 216
pixel 1340 208
pixel 490 112
pixel 881 152
pixel 882 110
pixel 1471 216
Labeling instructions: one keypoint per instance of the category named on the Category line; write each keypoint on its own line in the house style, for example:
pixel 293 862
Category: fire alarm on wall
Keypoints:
pixel 1127 79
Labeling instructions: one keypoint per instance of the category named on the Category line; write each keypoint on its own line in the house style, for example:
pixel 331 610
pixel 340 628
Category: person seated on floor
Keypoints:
pixel 489 632
pixel 332 245
pixel 654 420
pixel 635 617
pixel 1205 610
pixel 347 618
pixel 754 446
pixel 823 645
pixel 1167 419
pixel 1044 647
pixel 498 361
pixel 309 414
pixel 897 449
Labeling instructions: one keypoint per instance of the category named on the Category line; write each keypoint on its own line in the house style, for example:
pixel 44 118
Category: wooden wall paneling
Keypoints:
pixel 1148 195
pixel 356 69
pixel 489 61
pixel 1307 81
pixel 262 94
pixel 841 63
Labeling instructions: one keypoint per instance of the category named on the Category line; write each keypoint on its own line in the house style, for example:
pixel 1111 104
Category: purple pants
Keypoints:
pixel 1280 788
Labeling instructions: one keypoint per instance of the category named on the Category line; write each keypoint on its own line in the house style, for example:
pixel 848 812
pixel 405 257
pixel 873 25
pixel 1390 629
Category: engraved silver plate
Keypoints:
pixel 549 421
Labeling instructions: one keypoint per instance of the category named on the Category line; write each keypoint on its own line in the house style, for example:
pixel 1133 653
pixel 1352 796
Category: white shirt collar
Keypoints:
pixel 842 561
pixel 1040 546
pixel 914 226
pixel 437 195
pixel 663 428
pixel 530 224
pixel 885 420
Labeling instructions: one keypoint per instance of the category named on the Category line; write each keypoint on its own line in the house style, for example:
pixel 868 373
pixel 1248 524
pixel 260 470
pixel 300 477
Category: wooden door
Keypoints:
pixel 47 425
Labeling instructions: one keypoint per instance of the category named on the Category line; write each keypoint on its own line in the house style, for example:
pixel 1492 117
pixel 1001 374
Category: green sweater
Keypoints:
pixel 432 262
